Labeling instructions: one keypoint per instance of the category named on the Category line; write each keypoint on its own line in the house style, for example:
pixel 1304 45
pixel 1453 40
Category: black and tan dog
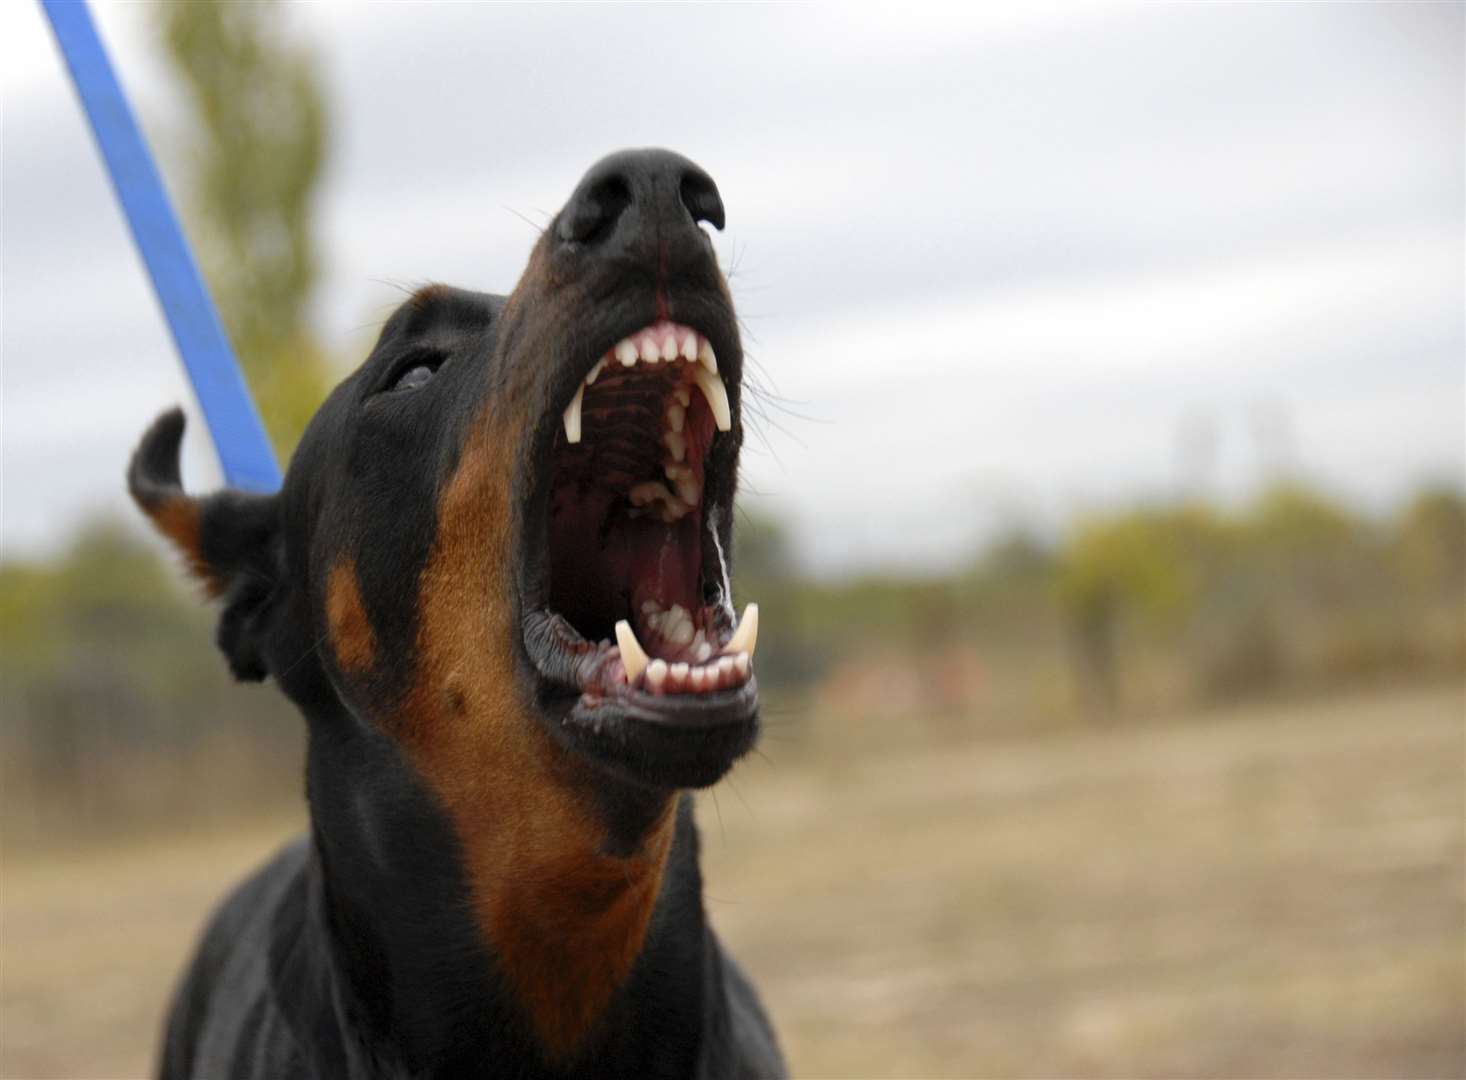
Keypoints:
pixel 496 583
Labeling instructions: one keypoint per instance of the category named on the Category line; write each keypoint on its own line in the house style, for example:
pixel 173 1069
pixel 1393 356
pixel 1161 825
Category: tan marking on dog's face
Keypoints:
pixel 352 640
pixel 564 921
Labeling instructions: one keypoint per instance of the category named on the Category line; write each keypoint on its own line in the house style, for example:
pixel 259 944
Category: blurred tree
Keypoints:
pixel 256 155
pixel 1430 543
pixel 1147 562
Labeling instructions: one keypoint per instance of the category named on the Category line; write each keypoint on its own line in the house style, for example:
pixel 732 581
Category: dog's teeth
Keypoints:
pixel 572 415
pixel 679 672
pixel 649 491
pixel 676 442
pixel 712 389
pixel 676 416
pixel 669 348
pixel 596 371
pixel 746 636
pixel 706 357
pixel 656 674
pixel 741 664
pixel 633 656
pixel 649 352
pixel 626 352
pixel 683 396
pixel 688 491
pixel 689 347
pixel 678 627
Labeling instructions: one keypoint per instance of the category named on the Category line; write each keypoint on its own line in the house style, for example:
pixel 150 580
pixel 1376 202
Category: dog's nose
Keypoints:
pixel 633 201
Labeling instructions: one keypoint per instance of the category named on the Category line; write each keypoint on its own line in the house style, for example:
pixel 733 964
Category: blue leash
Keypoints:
pixel 244 451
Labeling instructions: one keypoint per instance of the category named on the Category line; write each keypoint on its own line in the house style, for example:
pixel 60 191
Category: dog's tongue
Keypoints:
pixel 662 563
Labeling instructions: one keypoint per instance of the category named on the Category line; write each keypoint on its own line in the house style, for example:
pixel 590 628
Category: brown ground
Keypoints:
pixel 1276 891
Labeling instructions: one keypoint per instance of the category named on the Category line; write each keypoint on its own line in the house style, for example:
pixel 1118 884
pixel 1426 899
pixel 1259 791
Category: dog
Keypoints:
pixel 496 583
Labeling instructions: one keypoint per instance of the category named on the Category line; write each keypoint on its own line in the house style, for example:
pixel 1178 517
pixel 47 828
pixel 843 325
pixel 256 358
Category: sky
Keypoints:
pixel 997 267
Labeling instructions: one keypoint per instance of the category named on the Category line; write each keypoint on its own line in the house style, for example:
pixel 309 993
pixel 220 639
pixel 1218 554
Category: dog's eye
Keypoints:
pixel 413 371
pixel 414 377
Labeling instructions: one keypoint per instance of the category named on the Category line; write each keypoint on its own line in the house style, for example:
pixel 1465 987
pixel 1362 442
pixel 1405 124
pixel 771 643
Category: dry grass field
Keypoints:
pixel 1276 891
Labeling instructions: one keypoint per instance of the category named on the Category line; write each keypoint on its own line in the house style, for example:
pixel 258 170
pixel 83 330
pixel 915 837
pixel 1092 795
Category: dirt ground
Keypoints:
pixel 1276 891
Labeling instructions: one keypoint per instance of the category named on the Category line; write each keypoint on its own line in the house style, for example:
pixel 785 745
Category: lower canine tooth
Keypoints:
pixel 712 388
pixel 572 415
pixel 746 636
pixel 633 656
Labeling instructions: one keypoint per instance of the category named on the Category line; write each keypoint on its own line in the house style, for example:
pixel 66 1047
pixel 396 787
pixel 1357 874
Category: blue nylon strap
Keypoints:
pixel 244 451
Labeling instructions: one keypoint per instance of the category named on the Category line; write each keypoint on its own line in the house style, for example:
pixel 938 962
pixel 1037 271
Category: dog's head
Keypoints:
pixel 510 526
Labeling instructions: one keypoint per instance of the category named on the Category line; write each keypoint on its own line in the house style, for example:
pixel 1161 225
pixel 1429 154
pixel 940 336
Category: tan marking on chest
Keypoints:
pixel 564 921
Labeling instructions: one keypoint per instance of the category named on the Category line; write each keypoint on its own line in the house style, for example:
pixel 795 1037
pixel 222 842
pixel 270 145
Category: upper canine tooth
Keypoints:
pixel 707 357
pixel 626 352
pixel 572 415
pixel 746 636
pixel 712 388
pixel 633 657
pixel 649 351
pixel 689 347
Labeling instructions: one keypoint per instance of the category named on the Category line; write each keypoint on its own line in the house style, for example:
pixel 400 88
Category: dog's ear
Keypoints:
pixel 231 541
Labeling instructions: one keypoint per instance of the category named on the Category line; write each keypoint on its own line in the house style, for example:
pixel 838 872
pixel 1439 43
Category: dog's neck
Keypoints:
pixel 600 958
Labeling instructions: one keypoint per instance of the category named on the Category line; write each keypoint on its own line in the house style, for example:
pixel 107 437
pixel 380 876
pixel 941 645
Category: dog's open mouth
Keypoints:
pixel 637 609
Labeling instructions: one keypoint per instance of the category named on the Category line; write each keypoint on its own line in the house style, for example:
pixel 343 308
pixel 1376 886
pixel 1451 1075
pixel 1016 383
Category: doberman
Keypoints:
pixel 496 583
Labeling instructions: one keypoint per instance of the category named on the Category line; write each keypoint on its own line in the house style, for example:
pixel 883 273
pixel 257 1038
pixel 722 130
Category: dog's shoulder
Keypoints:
pixel 223 1006
pixel 740 1041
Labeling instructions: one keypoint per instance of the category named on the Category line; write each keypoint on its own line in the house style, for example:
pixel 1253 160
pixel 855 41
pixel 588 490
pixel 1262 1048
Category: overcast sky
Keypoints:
pixel 998 267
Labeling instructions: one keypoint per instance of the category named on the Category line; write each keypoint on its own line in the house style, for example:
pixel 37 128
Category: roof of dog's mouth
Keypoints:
pixel 631 611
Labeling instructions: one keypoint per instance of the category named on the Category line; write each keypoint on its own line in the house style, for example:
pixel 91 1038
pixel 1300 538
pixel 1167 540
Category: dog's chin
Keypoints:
pixel 658 742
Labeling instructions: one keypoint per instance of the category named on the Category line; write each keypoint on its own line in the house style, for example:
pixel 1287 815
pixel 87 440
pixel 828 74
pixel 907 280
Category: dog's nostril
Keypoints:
pixel 596 211
pixel 700 196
